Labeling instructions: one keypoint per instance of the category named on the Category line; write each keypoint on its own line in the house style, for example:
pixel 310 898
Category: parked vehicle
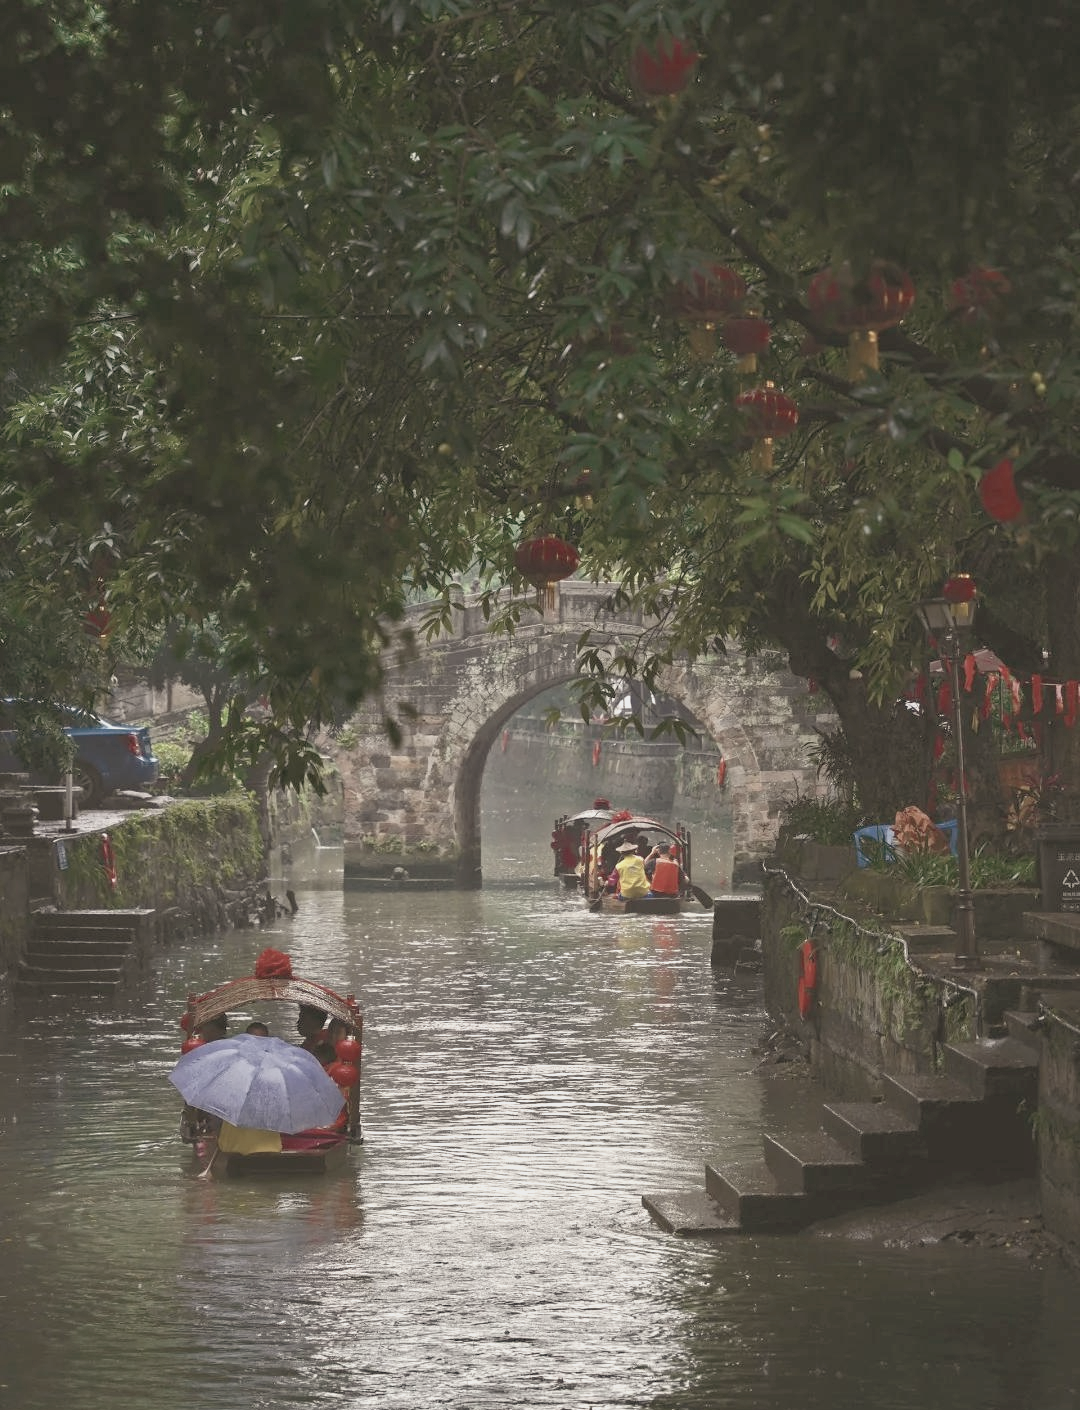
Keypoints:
pixel 107 756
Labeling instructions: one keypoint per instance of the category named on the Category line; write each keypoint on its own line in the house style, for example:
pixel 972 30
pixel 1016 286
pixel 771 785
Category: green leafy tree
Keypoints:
pixel 321 307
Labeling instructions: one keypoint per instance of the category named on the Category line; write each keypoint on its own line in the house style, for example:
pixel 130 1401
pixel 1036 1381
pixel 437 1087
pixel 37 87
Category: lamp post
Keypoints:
pixel 945 618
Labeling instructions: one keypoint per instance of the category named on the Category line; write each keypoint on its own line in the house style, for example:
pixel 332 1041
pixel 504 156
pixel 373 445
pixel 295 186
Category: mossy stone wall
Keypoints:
pixel 872 1011
pixel 186 860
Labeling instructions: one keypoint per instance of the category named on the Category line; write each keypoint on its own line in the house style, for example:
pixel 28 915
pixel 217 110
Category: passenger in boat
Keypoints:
pixel 247 1140
pixel 213 1028
pixel 665 872
pixel 259 1030
pixel 310 1024
pixel 630 878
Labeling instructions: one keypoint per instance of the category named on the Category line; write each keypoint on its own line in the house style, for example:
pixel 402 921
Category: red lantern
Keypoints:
pixel 959 588
pixel 664 71
pixel 185 1020
pixel 190 1044
pixel 345 1074
pixel 771 416
pixel 347 1050
pixel 997 492
pixel 544 562
pixel 712 293
pixel 977 295
pixel 96 623
pixel 861 308
pixel 746 337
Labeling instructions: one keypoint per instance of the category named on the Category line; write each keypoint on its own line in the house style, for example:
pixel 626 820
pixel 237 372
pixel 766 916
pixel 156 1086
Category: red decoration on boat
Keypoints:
pixel 663 71
pixel 345 1074
pixel 189 1044
pixel 977 295
pixel 959 588
pixel 861 308
pixel 746 337
pixel 721 773
pixel 347 1050
pixel 544 562
pixel 272 964
pixel 185 1020
pixel 998 495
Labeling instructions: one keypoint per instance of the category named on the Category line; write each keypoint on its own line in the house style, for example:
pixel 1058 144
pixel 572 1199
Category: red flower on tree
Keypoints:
pixel 663 71
pixel 997 492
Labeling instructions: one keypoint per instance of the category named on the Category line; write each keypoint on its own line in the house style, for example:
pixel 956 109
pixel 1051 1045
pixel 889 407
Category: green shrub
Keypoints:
pixel 830 821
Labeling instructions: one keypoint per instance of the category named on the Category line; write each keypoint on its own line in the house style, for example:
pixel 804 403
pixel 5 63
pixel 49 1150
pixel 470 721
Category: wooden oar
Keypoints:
pixel 594 906
pixel 702 896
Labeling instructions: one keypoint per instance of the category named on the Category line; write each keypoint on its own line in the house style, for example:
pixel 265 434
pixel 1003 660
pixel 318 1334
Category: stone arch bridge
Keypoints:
pixel 418 804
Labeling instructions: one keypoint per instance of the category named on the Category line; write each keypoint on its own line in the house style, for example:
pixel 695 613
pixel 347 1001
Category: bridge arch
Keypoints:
pixel 454 696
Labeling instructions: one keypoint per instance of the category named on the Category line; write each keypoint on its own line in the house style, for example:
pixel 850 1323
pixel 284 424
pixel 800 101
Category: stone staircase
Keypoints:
pixel 971 1121
pixel 76 953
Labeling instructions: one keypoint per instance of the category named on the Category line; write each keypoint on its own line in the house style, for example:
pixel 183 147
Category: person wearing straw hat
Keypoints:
pixel 630 878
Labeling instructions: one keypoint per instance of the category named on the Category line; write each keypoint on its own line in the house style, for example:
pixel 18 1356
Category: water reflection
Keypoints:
pixel 529 1070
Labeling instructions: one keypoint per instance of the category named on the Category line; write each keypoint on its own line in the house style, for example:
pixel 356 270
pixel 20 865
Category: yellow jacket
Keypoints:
pixel 246 1140
pixel 632 879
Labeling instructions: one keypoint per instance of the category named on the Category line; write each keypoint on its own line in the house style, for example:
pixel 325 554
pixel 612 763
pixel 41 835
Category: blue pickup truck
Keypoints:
pixel 107 756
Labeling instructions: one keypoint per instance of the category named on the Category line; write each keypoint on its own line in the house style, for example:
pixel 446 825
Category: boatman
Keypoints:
pixel 667 876
pixel 629 873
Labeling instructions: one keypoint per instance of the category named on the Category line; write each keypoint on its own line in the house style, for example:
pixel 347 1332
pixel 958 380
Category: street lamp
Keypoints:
pixel 945 618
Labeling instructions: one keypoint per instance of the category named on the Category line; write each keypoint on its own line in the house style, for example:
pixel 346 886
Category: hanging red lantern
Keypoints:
pixel 345 1074
pixel 544 562
pixel 746 337
pixel 97 621
pixel 771 416
pixel 977 295
pixel 711 294
pixel 347 1050
pixel 998 495
pixel 664 71
pixel 861 308
pixel 959 588
pixel 190 1044
pixel 185 1020
pixel 583 488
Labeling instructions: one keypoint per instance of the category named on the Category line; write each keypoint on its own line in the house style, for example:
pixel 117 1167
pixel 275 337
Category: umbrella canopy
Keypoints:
pixel 260 1082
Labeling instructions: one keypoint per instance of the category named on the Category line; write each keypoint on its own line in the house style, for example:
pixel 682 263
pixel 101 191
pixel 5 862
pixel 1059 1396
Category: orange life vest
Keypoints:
pixel 666 877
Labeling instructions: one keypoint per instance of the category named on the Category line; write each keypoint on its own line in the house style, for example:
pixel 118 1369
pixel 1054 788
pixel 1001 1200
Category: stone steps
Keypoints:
pixel 82 953
pixel 970 1119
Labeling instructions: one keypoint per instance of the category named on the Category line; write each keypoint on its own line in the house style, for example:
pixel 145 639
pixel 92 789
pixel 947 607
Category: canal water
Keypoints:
pixel 530 1070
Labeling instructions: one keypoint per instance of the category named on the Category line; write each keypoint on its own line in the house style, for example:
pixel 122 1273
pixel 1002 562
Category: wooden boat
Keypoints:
pixel 568 839
pixel 600 855
pixel 307 1153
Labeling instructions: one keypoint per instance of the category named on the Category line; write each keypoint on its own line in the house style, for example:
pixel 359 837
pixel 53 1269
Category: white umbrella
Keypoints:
pixel 260 1082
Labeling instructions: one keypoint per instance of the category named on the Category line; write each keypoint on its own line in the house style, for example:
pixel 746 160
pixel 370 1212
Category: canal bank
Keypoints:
pixel 163 868
pixel 929 1069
